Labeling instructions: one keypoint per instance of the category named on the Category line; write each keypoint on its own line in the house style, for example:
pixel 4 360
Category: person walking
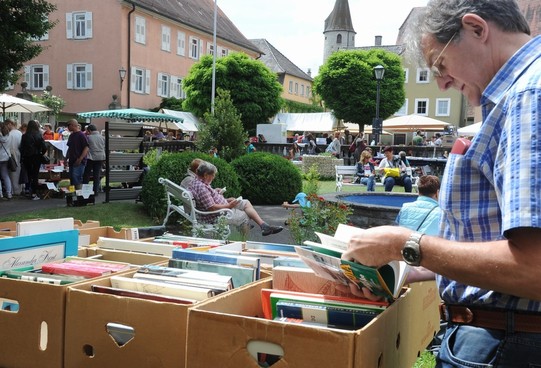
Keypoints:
pixel 486 258
pixel 77 150
pixel 32 150
pixel 14 149
pixel 95 158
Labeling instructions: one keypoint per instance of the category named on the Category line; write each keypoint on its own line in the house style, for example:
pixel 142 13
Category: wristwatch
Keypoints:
pixel 411 252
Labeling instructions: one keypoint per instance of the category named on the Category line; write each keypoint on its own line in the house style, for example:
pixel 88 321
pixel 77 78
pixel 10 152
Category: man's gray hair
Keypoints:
pixel 443 18
pixel 206 168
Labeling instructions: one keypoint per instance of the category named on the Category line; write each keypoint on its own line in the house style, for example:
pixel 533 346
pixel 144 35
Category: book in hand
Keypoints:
pixel 325 259
pixel 161 288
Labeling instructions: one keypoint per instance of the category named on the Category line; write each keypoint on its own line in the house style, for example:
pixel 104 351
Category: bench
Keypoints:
pixel 186 208
pixel 346 175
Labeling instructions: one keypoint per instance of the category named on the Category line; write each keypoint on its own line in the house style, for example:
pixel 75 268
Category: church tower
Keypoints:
pixel 339 33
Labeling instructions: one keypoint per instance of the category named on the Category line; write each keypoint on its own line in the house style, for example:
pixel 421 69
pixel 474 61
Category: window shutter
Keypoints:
pixel 88 68
pixel 69 26
pixel 173 88
pixel 69 76
pixel 45 75
pixel 27 75
pixel 147 81
pixel 88 21
pixel 133 79
pixel 159 85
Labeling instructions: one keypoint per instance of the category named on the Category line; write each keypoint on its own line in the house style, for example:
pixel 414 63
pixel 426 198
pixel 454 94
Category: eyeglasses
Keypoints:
pixel 435 69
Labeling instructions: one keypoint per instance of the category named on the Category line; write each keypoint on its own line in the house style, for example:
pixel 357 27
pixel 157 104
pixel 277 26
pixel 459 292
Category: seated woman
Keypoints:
pixel 366 171
pixel 391 162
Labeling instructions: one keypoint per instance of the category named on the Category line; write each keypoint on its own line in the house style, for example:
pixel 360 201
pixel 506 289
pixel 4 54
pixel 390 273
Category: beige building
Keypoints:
pixel 139 50
pixel 296 83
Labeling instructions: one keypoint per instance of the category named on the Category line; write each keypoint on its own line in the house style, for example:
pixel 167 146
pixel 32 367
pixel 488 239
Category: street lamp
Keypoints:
pixel 122 75
pixel 379 71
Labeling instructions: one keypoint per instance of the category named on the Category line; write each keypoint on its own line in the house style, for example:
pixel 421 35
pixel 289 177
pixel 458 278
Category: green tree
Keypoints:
pixel 223 130
pixel 21 22
pixel 255 91
pixel 169 103
pixel 347 85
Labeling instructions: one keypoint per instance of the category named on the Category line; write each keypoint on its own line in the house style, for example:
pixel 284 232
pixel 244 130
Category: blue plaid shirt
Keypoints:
pixel 496 185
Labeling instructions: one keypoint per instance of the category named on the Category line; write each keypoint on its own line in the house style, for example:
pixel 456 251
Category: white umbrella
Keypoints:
pixel 10 103
pixel 469 130
pixel 413 122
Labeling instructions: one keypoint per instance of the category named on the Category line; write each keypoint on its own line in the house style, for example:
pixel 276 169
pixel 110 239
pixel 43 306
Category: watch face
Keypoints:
pixel 410 255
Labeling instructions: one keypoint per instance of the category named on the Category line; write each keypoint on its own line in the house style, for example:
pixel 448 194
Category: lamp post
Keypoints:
pixel 122 75
pixel 379 71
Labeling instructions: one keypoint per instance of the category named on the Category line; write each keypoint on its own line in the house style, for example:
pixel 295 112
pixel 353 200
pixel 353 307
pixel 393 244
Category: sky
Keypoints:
pixel 295 27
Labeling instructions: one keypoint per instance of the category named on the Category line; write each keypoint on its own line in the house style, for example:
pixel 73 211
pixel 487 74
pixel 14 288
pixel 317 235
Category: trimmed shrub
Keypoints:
pixel 266 178
pixel 174 167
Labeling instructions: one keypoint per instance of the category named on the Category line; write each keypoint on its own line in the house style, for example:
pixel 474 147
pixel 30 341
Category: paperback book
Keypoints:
pixel 325 259
pixel 240 275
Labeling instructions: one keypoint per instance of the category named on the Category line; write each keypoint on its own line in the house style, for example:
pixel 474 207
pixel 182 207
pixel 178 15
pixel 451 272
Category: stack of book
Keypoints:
pixel 187 285
pixel 242 269
pixel 69 270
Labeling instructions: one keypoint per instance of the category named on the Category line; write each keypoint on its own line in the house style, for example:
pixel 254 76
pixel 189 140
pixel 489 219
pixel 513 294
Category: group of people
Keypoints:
pixel 419 139
pixel 85 155
pixel 394 170
pixel 198 181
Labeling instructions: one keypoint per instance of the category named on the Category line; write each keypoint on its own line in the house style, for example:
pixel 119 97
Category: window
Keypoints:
pixel 79 25
pixel 181 43
pixel 421 106
pixel 339 38
pixel 296 88
pixel 140 80
pixel 406 75
pixel 79 76
pixel 163 85
pixel 36 76
pixel 399 139
pixel 194 48
pixel 403 110
pixel 166 38
pixel 423 75
pixel 223 52
pixel 443 106
pixel 290 86
pixel 176 88
pixel 140 30
pixel 308 91
pixel 210 48
pixel 302 89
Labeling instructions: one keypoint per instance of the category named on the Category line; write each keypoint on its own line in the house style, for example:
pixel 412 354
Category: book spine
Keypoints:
pixel 328 316
pixel 240 275
pixel 161 288
pixel 140 295
pixel 217 258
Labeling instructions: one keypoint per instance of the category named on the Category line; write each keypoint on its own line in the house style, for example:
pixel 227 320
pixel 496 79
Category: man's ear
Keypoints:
pixel 476 25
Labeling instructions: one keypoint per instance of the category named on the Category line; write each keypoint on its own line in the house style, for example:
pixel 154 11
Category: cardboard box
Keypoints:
pixel 223 330
pixel 120 256
pixel 9 228
pixel 107 232
pixel 159 330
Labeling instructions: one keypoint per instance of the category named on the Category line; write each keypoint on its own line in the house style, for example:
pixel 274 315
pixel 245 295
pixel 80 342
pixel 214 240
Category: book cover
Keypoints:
pixel 305 280
pixel 182 273
pixel 385 281
pixel 240 275
pixel 68 268
pixel 188 255
pixel 267 306
pixel 325 315
pixel 140 295
pixel 161 288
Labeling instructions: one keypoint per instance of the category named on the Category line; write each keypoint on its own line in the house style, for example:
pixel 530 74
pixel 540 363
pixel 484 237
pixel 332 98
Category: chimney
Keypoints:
pixel 309 72
pixel 378 41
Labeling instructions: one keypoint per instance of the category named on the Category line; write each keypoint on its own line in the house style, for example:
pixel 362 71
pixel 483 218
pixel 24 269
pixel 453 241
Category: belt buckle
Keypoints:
pixel 444 313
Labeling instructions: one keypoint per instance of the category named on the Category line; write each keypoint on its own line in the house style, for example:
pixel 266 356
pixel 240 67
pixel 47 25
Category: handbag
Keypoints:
pixel 352 146
pixel 393 172
pixel 12 164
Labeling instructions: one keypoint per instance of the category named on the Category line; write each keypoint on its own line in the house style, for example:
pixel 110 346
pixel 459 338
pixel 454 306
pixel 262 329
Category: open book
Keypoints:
pixel 325 259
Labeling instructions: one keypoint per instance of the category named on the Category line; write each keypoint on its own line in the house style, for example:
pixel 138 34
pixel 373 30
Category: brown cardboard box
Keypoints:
pixel 120 256
pixel 9 228
pixel 221 330
pixel 106 232
pixel 159 337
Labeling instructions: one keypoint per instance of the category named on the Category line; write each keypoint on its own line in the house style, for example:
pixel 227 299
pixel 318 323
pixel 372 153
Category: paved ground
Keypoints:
pixel 274 215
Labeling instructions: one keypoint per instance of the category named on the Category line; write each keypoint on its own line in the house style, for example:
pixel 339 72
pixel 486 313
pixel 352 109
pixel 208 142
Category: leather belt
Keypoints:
pixel 495 319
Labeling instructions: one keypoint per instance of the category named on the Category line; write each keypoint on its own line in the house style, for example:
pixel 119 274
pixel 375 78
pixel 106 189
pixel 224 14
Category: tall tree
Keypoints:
pixel 347 85
pixel 21 23
pixel 254 88
pixel 222 130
